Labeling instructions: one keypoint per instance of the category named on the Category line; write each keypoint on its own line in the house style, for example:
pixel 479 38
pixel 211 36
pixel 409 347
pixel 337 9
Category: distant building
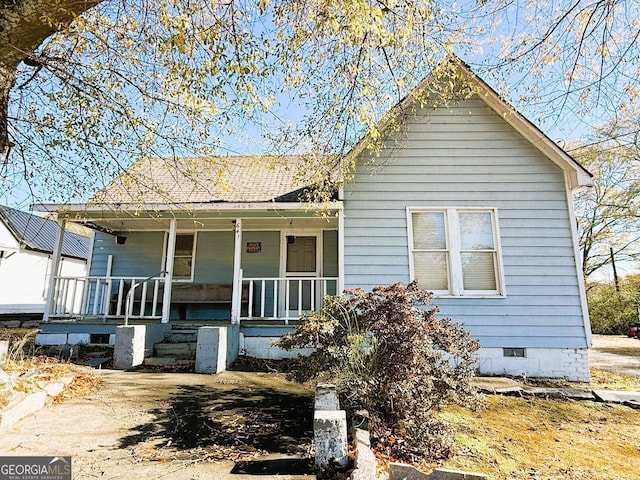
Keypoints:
pixel 27 244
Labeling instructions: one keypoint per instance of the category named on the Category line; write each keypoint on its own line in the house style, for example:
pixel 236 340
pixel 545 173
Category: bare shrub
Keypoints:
pixel 391 355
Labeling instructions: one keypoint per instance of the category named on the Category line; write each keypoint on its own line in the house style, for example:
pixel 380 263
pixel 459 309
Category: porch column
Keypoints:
pixel 236 295
pixel 340 288
pixel 53 272
pixel 168 269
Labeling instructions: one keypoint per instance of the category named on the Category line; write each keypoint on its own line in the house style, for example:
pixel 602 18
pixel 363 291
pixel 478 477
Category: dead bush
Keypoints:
pixel 388 353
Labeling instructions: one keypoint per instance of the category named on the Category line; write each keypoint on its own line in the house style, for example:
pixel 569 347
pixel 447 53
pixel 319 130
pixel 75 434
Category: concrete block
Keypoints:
pixel 51 338
pixel 10 324
pixel 365 463
pixel 4 351
pixel 129 348
pixel 233 343
pixel 326 397
pixel 211 350
pixel 30 323
pixel 330 437
pixel 361 437
pixel 262 347
pixel 76 338
pixel 616 396
pixel 21 407
pixel 242 350
pixel 250 343
pixel 52 388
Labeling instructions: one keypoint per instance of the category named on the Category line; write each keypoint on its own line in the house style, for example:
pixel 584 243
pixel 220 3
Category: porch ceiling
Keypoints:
pixel 126 221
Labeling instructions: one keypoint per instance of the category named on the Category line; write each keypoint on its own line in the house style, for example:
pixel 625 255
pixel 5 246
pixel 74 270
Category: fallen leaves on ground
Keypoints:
pixel 28 373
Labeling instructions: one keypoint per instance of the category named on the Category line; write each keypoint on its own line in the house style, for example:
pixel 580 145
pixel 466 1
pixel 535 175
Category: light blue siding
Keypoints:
pixel 266 263
pixel 469 157
pixel 214 257
pixel 330 253
pixel 140 256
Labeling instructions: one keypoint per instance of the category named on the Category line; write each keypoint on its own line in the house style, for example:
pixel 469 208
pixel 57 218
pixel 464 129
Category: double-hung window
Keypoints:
pixel 455 251
pixel 183 259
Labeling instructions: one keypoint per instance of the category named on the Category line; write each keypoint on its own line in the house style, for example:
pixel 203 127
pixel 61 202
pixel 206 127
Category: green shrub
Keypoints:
pixel 612 312
pixel 393 358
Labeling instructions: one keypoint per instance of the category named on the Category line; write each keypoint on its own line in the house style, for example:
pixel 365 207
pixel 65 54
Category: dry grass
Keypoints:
pixel 21 342
pixel 606 380
pixel 530 438
pixel 626 351
pixel 26 370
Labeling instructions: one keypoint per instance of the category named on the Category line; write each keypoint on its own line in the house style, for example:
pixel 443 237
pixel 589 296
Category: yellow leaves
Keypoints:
pixel 172 75
pixel 262 5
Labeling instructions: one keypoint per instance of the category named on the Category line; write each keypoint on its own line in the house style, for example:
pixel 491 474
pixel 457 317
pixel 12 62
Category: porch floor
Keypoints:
pixel 207 322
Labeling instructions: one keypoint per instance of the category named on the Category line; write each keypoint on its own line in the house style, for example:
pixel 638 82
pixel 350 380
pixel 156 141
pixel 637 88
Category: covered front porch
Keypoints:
pixel 267 266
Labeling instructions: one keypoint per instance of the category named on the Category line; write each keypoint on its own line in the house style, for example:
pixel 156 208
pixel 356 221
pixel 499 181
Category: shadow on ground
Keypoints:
pixel 283 466
pixel 233 421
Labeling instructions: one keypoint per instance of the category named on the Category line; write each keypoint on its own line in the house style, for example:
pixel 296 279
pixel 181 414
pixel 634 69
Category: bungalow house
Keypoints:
pixel 26 248
pixel 470 199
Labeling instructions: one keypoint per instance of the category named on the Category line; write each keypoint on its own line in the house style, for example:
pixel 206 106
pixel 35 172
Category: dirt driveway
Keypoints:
pixel 176 426
pixel 616 353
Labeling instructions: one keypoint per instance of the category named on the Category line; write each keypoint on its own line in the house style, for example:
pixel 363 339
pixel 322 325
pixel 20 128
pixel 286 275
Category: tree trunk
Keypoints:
pixel 24 25
pixel 7 77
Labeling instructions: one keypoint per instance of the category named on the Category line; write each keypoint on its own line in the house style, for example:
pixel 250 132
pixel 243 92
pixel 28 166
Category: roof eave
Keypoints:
pixel 66 210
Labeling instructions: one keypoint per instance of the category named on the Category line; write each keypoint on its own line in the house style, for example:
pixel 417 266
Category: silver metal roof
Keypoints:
pixel 40 234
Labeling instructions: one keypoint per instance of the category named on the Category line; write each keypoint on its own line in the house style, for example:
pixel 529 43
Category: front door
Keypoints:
pixel 301 261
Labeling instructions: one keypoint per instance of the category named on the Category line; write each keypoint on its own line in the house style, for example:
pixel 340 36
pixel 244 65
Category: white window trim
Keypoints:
pixel 453 246
pixel 193 254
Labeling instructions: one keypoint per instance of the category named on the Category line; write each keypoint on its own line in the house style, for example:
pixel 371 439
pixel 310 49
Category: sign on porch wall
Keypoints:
pixel 254 247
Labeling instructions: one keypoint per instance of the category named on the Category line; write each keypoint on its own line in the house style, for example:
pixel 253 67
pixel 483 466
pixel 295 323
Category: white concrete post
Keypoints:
pixel 168 276
pixel 211 350
pixel 236 295
pixel 53 273
pixel 129 348
pixel 326 397
pixel 329 427
pixel 330 437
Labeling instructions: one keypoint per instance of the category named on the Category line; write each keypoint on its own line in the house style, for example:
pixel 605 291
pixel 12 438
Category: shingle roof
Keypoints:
pixel 210 180
pixel 39 234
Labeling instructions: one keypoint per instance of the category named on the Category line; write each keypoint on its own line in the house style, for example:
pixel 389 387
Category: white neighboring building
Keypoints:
pixel 26 247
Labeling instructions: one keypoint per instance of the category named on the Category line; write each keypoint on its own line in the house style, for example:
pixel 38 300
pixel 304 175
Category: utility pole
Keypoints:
pixel 615 273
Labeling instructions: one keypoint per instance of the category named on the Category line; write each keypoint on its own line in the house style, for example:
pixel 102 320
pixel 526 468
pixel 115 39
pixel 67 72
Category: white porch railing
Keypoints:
pixel 286 298
pixel 76 297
